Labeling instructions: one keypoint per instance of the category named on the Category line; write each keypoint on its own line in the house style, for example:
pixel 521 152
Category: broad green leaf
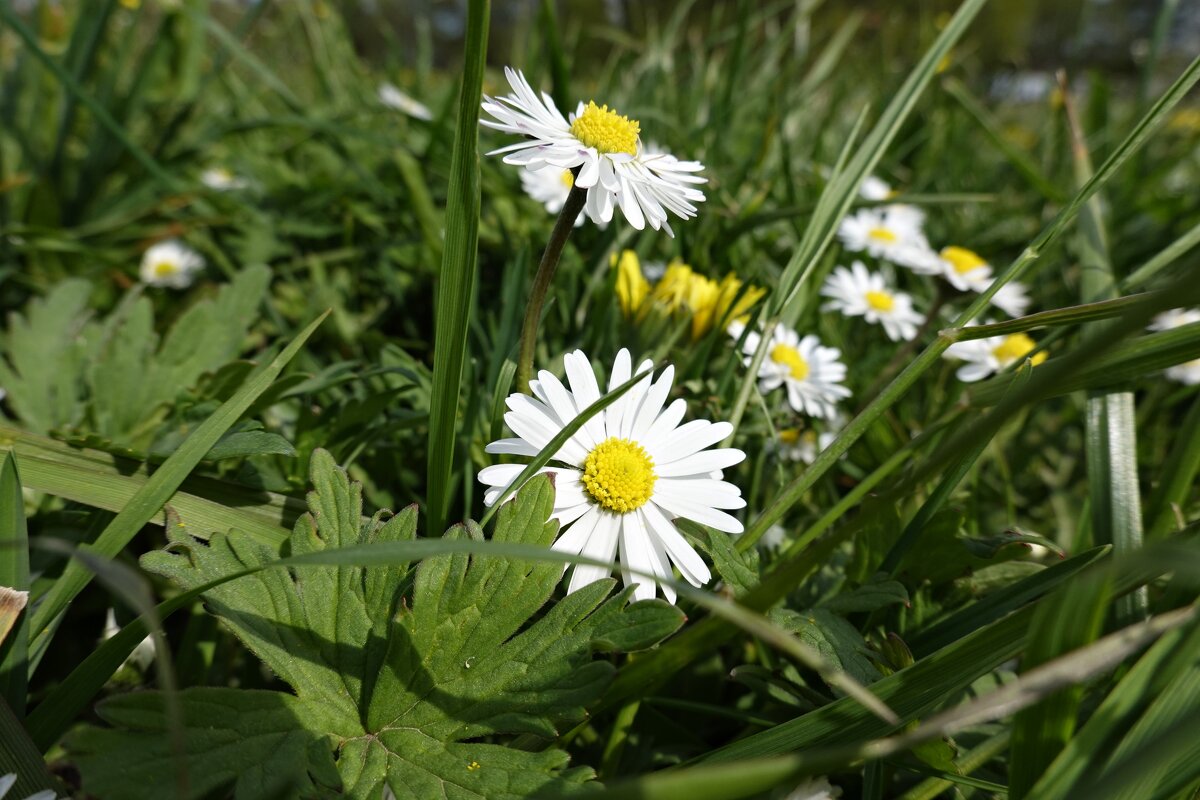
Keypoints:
pixel 405 676
pixel 44 357
pixel 868 597
pixel 158 489
pixel 834 638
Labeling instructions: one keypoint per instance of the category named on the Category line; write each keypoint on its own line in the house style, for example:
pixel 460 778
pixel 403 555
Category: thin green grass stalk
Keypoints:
pixel 456 280
pixel 1168 256
pixel 967 763
pixel 18 754
pixel 14 574
pixel 542 281
pixel 1111 432
pixel 1178 478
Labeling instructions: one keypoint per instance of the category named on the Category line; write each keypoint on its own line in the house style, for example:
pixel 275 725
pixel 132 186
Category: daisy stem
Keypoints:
pixel 542 280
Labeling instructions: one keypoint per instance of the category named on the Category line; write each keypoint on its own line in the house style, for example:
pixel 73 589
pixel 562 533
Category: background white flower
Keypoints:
pixel 392 97
pixel 964 269
pixel 1012 298
pixel 171 264
pixel 626 475
pixel 1187 373
pixel 892 233
pixel 221 179
pixel 818 788
pixel 606 146
pixel 550 187
pixel 812 373
pixel 857 292
pixel 985 356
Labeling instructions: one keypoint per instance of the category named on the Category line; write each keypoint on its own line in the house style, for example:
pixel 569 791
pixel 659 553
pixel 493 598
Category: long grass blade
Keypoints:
pixel 14 577
pixel 456 279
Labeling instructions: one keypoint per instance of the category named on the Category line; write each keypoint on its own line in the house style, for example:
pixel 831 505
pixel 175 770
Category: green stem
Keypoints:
pixel 543 279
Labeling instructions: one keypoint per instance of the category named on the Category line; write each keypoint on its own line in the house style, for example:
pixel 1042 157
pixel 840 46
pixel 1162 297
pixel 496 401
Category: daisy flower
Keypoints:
pixel 1187 373
pixel 625 476
pixel 856 292
pixel 710 303
pixel 794 444
pixel 875 188
pixel 1012 298
pixel 811 373
pixel 963 268
pixel 892 233
pixel 550 187
pixel 606 146
pixel 221 179
pixel 171 264
pixel 632 286
pixel 985 356
pixel 392 97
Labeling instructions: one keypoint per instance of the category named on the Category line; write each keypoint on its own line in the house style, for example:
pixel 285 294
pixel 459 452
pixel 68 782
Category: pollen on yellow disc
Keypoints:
pixel 606 130
pixel 619 475
pixel 962 259
pixel 164 269
pixel 1016 346
pixel 789 435
pixel 790 357
pixel 881 301
pixel 882 235
pixel 567 178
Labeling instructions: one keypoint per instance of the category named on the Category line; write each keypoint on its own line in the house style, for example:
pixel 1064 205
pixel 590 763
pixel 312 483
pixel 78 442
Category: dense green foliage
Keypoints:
pixel 963 590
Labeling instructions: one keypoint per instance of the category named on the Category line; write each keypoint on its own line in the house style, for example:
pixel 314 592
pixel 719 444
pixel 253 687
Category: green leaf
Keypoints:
pixel 154 494
pixel 44 357
pixel 406 676
pixel 456 278
pixel 989 546
pixel 868 597
pixel 14 575
pixel 738 570
pixel 834 638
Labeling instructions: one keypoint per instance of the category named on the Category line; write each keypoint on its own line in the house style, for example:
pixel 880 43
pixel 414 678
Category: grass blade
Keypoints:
pixel 455 288
pixel 14 575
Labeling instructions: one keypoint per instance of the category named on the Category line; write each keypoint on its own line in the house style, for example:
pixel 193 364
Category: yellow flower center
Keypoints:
pixel 789 436
pixel 962 259
pixel 881 301
pixel 882 235
pixel 790 357
pixel 164 269
pixel 619 475
pixel 567 179
pixel 1016 346
pixel 605 130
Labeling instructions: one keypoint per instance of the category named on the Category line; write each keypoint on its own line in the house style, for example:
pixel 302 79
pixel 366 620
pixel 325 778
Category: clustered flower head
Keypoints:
pixel 682 290
pixel 623 478
pixel 894 232
pixel 171 264
pixel 604 151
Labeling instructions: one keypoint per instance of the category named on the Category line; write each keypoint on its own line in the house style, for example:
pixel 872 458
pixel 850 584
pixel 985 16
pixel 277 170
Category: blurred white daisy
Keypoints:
pixel 614 167
pixel 811 373
pixel 550 187
pixel 802 445
pixel 818 788
pixel 985 356
pixel 392 97
pixel 1012 298
pixel 626 475
pixel 892 233
pixel 963 268
pixel 142 655
pixel 856 292
pixel 221 179
pixel 1187 373
pixel 171 264
pixel 875 188
pixel 1174 318
pixel 10 780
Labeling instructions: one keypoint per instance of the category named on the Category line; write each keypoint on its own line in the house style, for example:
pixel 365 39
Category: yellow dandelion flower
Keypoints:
pixel 632 286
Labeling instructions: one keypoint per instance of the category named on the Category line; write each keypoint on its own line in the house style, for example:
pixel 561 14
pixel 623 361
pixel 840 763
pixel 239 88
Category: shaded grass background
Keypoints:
pixel 348 206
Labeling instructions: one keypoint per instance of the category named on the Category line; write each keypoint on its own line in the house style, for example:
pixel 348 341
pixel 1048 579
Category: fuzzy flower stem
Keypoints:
pixel 542 280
